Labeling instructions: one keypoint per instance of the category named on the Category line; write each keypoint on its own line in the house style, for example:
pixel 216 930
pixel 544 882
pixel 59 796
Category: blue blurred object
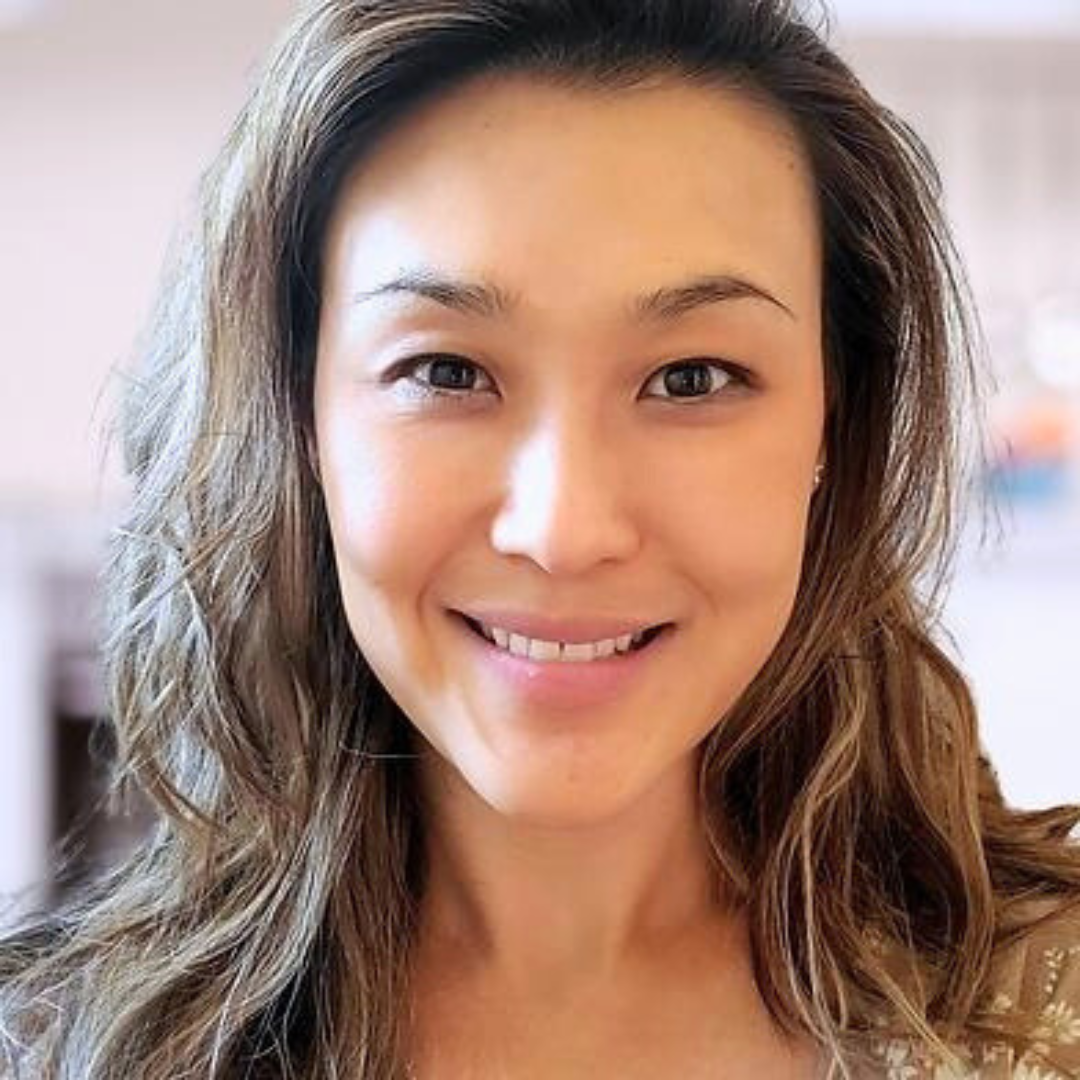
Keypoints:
pixel 1046 481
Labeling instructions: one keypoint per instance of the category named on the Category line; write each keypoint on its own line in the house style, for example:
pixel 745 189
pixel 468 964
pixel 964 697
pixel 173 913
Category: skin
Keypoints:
pixel 567 857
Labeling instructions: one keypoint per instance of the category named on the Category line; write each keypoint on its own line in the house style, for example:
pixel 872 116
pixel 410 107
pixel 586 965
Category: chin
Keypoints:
pixel 540 803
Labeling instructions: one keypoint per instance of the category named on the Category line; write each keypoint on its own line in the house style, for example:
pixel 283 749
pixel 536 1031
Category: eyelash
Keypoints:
pixel 737 376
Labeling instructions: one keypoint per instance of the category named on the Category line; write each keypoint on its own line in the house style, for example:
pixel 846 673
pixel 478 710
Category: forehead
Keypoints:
pixel 561 193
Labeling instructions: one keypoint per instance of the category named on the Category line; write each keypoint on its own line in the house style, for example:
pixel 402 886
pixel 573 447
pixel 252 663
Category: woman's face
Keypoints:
pixel 592 455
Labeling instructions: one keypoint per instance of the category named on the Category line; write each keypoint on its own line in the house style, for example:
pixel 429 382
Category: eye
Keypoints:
pixel 450 376
pixel 711 377
pixel 453 371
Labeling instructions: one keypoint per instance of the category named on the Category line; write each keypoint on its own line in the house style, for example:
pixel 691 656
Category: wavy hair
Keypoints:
pixel 263 928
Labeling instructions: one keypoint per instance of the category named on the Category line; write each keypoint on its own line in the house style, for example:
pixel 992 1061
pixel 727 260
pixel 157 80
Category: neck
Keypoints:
pixel 536 904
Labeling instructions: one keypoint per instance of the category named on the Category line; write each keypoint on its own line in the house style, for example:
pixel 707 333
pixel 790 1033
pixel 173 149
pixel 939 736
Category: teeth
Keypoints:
pixel 536 649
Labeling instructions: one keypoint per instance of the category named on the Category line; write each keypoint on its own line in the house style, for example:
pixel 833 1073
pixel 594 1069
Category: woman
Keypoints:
pixel 514 704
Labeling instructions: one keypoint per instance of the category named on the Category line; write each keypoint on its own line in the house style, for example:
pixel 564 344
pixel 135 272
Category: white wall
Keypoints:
pixel 109 111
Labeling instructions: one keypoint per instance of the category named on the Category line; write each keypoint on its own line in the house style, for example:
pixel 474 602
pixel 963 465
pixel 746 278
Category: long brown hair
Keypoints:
pixel 264 927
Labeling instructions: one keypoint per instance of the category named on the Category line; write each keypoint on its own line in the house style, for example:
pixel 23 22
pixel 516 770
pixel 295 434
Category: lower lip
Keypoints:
pixel 564 684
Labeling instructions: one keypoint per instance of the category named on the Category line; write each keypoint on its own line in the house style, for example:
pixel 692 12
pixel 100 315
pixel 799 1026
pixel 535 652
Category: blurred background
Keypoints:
pixel 111 109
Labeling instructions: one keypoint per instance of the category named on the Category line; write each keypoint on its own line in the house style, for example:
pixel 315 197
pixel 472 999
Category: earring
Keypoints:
pixel 819 473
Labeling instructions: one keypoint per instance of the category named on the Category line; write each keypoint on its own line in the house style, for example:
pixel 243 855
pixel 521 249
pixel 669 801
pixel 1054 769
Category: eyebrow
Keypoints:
pixel 490 301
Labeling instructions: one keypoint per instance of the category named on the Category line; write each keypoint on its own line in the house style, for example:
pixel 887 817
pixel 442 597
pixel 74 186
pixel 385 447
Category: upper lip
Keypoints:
pixel 576 630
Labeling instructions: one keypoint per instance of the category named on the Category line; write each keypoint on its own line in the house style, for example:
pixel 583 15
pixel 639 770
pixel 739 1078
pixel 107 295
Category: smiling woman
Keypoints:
pixel 517 624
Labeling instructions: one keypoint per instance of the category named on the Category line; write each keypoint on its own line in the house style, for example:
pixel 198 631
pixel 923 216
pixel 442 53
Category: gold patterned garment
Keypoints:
pixel 1040 973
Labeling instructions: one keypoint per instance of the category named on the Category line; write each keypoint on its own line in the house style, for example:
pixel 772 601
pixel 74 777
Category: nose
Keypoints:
pixel 567 505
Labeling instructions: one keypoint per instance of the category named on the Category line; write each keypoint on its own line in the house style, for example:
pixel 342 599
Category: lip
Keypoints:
pixel 575 631
pixel 561 685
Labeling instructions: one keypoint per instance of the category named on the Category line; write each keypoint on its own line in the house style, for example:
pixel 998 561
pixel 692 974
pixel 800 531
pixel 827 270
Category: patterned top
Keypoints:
pixel 1040 973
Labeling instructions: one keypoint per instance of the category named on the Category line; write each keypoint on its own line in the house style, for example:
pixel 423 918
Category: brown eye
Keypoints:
pixel 448 375
pixel 695 380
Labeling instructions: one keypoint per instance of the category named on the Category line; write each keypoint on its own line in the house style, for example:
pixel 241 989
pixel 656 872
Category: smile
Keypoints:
pixel 563 652
pixel 566 686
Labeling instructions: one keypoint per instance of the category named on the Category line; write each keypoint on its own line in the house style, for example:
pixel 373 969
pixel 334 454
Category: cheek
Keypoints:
pixel 742 508
pixel 743 538
pixel 749 551
pixel 381 498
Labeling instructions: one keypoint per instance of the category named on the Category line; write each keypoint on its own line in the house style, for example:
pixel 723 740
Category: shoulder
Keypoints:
pixel 1035 983
pixel 1038 978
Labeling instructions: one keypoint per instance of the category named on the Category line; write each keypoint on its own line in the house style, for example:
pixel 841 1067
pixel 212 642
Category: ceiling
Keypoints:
pixel 954 18
pixel 13 12
pixel 959 18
